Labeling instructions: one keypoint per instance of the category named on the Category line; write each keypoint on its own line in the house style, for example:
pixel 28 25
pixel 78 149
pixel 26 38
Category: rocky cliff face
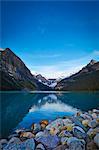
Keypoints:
pixel 86 79
pixel 15 75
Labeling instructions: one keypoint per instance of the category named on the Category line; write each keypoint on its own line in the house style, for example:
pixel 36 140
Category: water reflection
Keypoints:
pixel 49 107
pixel 19 108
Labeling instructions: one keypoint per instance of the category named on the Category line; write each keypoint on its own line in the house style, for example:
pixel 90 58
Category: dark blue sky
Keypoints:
pixel 52 38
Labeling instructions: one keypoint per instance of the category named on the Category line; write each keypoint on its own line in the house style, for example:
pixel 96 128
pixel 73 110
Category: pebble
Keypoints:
pixel 40 147
pixel 96 139
pixel 39 134
pixel 3 143
pixel 65 133
pixel 94 115
pixel 29 144
pixel 61 147
pixel 27 135
pixel 58 124
pixel 76 145
pixel 77 122
pixel 50 141
pixel 85 122
pixel 92 132
pixel 91 146
pixel 64 140
pixel 79 132
pixel 36 127
pixel 92 123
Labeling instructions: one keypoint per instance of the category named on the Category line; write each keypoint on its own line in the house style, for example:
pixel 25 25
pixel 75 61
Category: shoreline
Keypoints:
pixel 80 131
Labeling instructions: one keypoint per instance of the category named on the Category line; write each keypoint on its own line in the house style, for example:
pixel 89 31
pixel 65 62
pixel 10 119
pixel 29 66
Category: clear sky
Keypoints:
pixel 52 38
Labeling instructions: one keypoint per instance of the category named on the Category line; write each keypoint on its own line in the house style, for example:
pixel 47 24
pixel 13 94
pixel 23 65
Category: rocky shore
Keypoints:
pixel 78 132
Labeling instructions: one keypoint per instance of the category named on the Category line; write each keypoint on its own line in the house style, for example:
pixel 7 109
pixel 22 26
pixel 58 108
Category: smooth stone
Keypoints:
pixel 64 140
pixel 79 132
pixel 67 121
pixel 77 122
pixel 92 124
pixel 50 141
pixel 27 135
pixel 19 131
pixel 14 140
pixel 65 133
pixel 40 147
pixel 96 111
pixel 13 135
pixel 96 139
pixel 91 145
pixel 92 132
pixel 94 115
pixel 36 127
pixel 39 134
pixel 71 139
pixel 29 144
pixel 76 145
pixel 54 131
pixel 85 122
pixel 57 124
pixel 3 143
pixel 44 122
pixel 68 127
pixel 61 147
pixel 86 116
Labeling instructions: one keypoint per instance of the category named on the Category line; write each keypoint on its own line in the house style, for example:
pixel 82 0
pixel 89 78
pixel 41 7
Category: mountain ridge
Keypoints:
pixel 85 79
pixel 15 75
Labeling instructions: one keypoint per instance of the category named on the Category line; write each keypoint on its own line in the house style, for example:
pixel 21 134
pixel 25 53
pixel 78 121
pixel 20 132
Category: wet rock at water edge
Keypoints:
pixel 86 116
pixel 43 124
pixel 36 127
pixel 39 134
pixel 3 143
pixel 27 135
pixel 13 135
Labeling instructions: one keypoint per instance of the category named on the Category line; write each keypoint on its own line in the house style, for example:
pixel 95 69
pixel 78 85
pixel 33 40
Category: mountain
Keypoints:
pixel 49 82
pixel 15 75
pixel 86 79
pixel 42 79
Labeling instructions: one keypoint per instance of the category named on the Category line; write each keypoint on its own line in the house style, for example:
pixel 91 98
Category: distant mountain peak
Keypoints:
pixel 92 62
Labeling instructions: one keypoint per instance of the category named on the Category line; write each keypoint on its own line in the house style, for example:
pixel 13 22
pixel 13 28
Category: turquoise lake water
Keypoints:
pixel 21 109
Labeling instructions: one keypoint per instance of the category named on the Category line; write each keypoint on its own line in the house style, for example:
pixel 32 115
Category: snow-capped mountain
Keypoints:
pixel 49 82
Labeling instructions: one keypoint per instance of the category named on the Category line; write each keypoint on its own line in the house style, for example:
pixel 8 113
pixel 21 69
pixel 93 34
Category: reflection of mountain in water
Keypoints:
pixel 48 107
pixel 17 105
pixel 51 103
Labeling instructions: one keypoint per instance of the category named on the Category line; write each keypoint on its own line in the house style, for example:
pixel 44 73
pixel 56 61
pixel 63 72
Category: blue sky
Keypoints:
pixel 52 38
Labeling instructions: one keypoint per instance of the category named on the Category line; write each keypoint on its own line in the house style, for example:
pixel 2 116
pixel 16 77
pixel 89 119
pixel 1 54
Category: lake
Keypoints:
pixel 21 109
